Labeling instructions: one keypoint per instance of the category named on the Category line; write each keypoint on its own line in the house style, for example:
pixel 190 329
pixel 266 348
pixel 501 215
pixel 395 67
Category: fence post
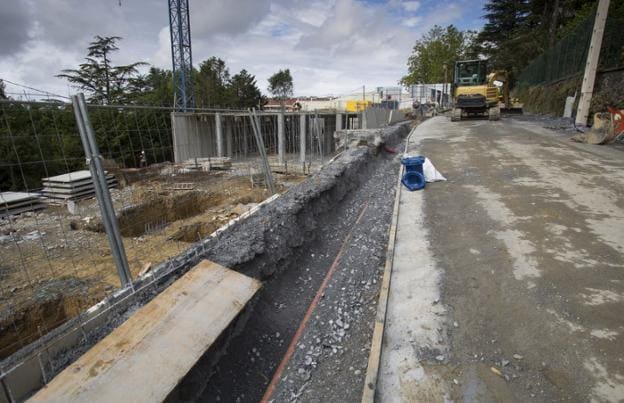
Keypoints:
pixel 102 193
pixel 261 150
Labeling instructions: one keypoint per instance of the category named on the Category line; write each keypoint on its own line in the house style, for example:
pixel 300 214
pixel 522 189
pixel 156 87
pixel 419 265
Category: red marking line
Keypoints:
pixel 293 343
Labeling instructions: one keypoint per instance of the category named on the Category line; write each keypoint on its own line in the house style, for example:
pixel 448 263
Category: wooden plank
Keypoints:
pixel 145 358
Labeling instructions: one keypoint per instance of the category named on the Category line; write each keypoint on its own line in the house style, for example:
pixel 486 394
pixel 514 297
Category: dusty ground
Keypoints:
pixel 515 283
pixel 56 264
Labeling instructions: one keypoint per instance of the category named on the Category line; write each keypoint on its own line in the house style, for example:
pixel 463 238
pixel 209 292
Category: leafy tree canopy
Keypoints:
pixel 281 84
pixel 439 47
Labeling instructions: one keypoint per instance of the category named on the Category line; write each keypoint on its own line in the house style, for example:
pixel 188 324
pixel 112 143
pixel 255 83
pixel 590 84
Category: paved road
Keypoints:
pixel 508 280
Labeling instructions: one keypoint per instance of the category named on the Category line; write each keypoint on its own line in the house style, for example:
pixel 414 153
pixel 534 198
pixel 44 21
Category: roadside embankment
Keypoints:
pixel 550 98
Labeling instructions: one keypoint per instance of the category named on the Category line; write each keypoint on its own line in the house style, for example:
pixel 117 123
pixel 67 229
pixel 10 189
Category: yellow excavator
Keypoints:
pixel 478 93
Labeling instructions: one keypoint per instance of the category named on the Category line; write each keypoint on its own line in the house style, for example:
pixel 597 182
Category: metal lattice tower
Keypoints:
pixel 181 55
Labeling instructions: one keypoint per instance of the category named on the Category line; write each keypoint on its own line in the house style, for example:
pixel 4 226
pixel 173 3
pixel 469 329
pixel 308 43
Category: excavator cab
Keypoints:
pixel 470 72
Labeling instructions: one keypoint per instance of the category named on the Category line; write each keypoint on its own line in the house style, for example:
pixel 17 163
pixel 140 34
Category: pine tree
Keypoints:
pixel 104 82
pixel 211 81
pixel 244 92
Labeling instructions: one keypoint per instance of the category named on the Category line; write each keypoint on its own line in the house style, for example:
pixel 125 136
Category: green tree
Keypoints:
pixel 104 82
pixel 244 92
pixel 153 88
pixel 438 47
pixel 2 87
pixel 281 85
pixel 211 82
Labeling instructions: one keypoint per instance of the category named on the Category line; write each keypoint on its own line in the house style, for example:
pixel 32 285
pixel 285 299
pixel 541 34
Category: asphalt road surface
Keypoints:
pixel 508 282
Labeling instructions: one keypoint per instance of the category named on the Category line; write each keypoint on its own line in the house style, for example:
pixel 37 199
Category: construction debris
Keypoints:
pixel 71 186
pixel 207 164
pixel 12 203
pixel 607 128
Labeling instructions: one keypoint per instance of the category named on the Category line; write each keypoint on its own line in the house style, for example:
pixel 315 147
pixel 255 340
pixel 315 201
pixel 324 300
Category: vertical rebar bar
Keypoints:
pixel 265 162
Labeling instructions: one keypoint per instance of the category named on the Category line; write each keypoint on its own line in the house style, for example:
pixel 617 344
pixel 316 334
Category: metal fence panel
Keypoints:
pixel 56 261
pixel 567 58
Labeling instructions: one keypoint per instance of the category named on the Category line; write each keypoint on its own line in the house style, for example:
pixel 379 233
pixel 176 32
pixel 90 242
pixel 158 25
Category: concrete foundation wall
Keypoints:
pixel 396 116
pixel 194 136
pixel 374 118
pixel 205 135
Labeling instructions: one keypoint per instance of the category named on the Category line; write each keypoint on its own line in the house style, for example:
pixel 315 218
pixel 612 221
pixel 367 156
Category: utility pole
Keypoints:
pixel 593 55
pixel 363 93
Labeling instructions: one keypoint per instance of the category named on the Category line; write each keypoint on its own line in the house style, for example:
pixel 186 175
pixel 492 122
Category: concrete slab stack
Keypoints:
pixel 207 164
pixel 71 186
pixel 12 203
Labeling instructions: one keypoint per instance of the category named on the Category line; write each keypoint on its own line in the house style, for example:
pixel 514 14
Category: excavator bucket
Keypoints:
pixel 514 108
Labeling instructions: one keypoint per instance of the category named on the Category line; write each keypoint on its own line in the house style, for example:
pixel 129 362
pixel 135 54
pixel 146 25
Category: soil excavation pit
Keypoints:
pixel 52 257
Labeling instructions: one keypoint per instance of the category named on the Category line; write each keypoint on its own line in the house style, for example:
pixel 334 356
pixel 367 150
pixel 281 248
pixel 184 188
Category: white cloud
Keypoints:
pixel 411 6
pixel 412 21
pixel 330 46
pixel 225 16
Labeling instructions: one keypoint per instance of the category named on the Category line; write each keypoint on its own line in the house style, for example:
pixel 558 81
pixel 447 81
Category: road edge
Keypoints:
pixel 374 358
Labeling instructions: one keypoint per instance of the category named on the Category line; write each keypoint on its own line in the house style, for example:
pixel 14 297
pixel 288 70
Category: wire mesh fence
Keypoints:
pixel 567 58
pixel 168 191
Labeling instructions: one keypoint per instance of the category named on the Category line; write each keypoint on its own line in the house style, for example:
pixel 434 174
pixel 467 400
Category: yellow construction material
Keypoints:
pixel 357 106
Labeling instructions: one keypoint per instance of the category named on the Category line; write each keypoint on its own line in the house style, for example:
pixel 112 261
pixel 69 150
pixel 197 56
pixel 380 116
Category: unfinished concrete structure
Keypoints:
pixel 305 135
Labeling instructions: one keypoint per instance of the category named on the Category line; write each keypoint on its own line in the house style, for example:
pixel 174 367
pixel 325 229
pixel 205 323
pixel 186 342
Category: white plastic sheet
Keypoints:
pixel 431 174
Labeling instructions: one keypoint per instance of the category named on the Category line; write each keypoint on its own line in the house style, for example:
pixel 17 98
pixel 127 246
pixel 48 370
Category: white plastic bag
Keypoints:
pixel 431 174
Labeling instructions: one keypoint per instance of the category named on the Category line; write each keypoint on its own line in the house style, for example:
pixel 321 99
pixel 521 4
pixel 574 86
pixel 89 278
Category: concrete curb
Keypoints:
pixel 374 359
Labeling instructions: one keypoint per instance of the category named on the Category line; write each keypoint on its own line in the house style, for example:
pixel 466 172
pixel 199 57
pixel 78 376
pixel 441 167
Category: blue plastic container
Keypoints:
pixel 413 178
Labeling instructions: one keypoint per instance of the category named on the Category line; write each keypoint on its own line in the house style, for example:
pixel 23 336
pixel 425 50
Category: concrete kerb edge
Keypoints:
pixel 24 373
pixel 374 359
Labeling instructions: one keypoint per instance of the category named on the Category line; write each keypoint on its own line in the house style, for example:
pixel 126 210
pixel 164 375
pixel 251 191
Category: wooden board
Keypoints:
pixel 146 357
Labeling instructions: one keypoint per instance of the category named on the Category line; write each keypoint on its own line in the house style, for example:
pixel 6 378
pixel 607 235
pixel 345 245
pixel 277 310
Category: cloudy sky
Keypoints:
pixel 330 46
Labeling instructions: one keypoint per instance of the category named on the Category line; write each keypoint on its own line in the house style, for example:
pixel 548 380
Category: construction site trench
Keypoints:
pixel 336 221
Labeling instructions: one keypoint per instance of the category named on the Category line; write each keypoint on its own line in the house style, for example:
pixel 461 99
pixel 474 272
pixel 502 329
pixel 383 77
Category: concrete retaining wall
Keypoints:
pixel 374 118
pixel 194 136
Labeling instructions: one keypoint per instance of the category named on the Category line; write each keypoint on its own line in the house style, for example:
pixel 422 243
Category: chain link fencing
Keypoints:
pixel 567 58
pixel 168 193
